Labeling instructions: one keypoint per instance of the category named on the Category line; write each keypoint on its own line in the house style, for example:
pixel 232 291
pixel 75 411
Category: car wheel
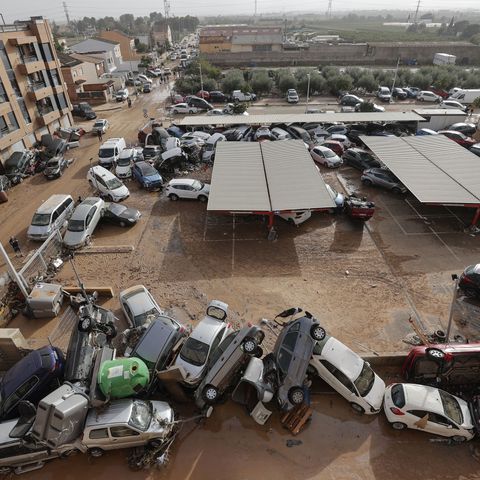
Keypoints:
pixel 173 197
pixel 88 240
pixel 95 452
pixel 296 395
pixel 85 324
pixel 5 470
pixel 156 442
pixel 469 292
pixel 398 426
pixel 317 332
pixel 358 408
pixel 396 190
pixel 175 111
pixel 459 439
pixel 249 345
pixel 367 182
pixel 202 198
pixel 122 224
pixel 210 394
pixel 191 111
pixel 435 353
pixel 110 331
pixel 259 352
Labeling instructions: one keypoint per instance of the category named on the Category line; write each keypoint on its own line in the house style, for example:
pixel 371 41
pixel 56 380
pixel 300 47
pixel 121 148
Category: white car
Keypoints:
pixel 348 374
pixel 122 94
pixel 107 184
pixel 427 96
pixel 292 96
pixel 83 222
pixel 100 125
pixel 452 104
pixel 343 139
pixel 187 188
pixel 144 79
pixel 123 168
pixel 138 305
pixel 215 112
pixel 183 108
pixel 430 409
pixel 325 156
pixel 338 198
pixel 297 217
pixel 202 342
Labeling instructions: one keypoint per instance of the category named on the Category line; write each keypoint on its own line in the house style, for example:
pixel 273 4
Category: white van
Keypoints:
pixel 465 96
pixel 110 151
pixel 51 215
pixel 109 186
pixel 210 144
pixel 124 163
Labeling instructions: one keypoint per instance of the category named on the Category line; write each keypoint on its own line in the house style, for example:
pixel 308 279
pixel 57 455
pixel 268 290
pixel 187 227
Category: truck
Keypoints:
pixel 465 96
pixel 83 110
pixel 444 59
pixel 239 96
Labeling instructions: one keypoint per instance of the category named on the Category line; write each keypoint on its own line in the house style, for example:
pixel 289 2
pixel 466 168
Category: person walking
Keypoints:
pixel 16 246
pixel 129 102
pixel 100 135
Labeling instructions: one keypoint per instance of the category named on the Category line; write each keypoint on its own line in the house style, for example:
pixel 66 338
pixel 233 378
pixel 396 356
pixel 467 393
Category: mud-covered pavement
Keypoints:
pixel 362 282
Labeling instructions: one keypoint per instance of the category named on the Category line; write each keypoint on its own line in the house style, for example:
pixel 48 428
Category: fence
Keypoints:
pixel 39 264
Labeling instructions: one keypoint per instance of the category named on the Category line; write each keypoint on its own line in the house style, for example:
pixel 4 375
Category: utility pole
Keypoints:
pixel 201 78
pixel 65 9
pixel 394 80
pixel 329 9
pixel 308 92
pixel 416 12
pixel 255 14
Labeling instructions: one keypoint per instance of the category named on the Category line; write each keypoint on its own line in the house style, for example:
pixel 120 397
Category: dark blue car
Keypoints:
pixel 32 378
pixel 147 176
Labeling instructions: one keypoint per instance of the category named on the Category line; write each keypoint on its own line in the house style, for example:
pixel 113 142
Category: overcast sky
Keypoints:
pixel 53 9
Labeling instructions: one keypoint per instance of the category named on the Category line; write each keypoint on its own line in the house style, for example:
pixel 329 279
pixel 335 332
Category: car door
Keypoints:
pixel 99 183
pixel 429 422
pixel 89 224
pixel 123 436
pixel 189 192
pixel 338 381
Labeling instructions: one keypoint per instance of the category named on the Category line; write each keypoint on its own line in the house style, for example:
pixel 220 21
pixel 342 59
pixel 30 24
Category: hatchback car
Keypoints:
pixel 335 146
pixel 429 409
pixel 183 108
pixel 31 378
pixel 202 343
pixel 187 188
pixel 120 215
pixel 350 100
pixel 109 186
pixel 227 362
pixel 360 159
pixel 348 374
pixel 55 167
pixel 399 93
pixel 292 353
pixel 426 96
pixel 458 137
pixel 325 156
pixel 123 167
pixel 138 305
pixel 127 423
pixel 292 96
pixel 83 222
pixel 465 128
pixel 121 95
pixel 382 177
pixel 384 94
pixel 100 125
pixel 147 176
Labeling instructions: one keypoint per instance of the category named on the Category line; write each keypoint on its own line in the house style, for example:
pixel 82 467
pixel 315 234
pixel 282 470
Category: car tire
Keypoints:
pixel 155 443
pixel 5 470
pixel 258 352
pixel 421 99
pixel 296 395
pixel 317 332
pixel 399 426
pixel 110 331
pixel 88 240
pixel 202 198
pixel 459 439
pixel 435 353
pixel 95 452
pixel 85 324
pixel 173 197
pixel 396 190
pixel 367 182
pixel 175 111
pixel 191 111
pixel 210 394
pixel 249 345
pixel 122 224
pixel 357 408
pixel 469 292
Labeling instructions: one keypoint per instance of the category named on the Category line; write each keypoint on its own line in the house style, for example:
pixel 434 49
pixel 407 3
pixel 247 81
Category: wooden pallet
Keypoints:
pixel 295 419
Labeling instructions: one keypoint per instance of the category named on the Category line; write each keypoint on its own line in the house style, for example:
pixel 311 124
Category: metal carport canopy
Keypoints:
pixel 266 177
pixel 268 119
pixel 434 168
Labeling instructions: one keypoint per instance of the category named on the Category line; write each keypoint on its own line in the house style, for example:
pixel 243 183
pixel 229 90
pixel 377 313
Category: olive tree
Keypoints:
pixel 261 83
pixel 233 81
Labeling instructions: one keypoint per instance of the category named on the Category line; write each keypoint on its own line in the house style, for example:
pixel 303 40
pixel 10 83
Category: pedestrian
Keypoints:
pixel 16 246
pixel 129 102
pixel 79 200
pixel 100 135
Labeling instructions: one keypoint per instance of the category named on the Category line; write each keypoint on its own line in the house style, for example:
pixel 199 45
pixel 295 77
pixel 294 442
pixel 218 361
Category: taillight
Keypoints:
pixel 465 279
pixel 396 411
pixel 182 329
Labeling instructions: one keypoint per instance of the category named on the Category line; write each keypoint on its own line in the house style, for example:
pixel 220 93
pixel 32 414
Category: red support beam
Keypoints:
pixel 476 217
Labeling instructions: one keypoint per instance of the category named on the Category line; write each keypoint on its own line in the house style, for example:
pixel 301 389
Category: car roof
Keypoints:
pixel 102 172
pixel 422 397
pixel 207 329
pixel 117 411
pixel 340 356
pixel 82 210
pixel 182 181
pixel 138 300
pixel 126 152
pixel 52 202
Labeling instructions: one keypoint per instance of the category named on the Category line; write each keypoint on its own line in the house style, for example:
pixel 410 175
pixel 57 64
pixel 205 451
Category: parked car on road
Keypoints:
pixel 426 96
pixel 202 343
pixel 399 93
pixel 123 167
pixel 384 94
pixel 239 96
pixel 120 215
pixel 449 104
pixel 335 146
pixel 83 222
pixel 121 95
pixel 292 96
pixel 360 159
pixel 199 103
pixel 187 188
pixel 348 374
pixel 429 409
pixel 349 100
pixel 147 176
pixel 227 362
pixel 218 97
pixel 100 125
pixel 412 92
pixel 109 186
pixel 215 112
pixel 55 167
pixel 458 137
pixel 183 108
pixel 325 156
pixel 374 107
pixel 468 129
pixel 31 378
pixel 83 110
pixel 151 153
pixel 138 305
pixel 382 177
pixel 203 94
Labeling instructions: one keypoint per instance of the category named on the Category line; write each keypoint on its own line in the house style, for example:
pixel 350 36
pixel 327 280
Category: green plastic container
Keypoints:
pixel 123 377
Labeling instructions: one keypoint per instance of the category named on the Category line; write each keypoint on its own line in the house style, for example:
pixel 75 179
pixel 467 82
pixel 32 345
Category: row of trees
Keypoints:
pixel 322 81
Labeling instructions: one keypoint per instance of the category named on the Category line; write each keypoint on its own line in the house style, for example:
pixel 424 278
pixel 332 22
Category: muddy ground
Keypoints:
pixel 362 282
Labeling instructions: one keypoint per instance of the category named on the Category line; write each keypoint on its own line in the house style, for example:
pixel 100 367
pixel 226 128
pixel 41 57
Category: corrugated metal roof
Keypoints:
pixel 438 112
pixel 238 179
pixel 301 118
pixel 434 168
pixel 293 180
pixel 266 177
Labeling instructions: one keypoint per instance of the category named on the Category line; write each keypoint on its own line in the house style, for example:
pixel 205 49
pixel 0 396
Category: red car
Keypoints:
pixel 203 94
pixel 459 137
pixel 337 147
pixel 439 91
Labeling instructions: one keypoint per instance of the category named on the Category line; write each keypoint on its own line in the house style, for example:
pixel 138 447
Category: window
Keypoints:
pixel 54 78
pixel 12 121
pixel 119 432
pixel 4 57
pixel 290 341
pixel 44 106
pixel 98 433
pixel 23 108
pixel 90 215
pixel 3 93
pixel 284 359
pixel 61 101
pixel 46 51
pixel 340 376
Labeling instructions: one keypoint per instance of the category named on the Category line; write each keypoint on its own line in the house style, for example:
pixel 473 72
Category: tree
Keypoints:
pixel 140 47
pixel 367 82
pixel 366 107
pixel 239 107
pixel 339 83
pixel 476 103
pixel 261 83
pixel 286 81
pixel 233 81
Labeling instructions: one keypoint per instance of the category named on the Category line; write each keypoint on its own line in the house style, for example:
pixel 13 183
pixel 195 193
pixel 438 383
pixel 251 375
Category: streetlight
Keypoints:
pixel 308 92
pixel 394 80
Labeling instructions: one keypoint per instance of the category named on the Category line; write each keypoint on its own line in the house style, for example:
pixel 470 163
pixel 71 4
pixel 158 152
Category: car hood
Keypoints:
pixel 129 214
pixel 162 418
pixel 152 178
pixel 39 230
pixel 375 396
pixel 121 191
pixel 193 373
pixel 74 239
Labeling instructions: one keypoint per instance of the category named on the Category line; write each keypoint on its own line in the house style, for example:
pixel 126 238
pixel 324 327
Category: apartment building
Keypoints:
pixel 33 96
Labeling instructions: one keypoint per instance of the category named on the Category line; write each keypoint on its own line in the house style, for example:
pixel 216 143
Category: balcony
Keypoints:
pixel 47 116
pixel 31 66
pixel 38 90
pixel 23 40
pixel 7 130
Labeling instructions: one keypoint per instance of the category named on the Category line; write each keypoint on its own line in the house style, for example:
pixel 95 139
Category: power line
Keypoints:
pixel 329 9
pixel 166 8
pixel 416 12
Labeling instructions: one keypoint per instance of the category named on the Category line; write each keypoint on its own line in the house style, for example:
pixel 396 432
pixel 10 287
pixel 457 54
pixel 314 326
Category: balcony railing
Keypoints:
pixel 7 130
pixel 29 58
pixel 45 110
pixel 33 86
